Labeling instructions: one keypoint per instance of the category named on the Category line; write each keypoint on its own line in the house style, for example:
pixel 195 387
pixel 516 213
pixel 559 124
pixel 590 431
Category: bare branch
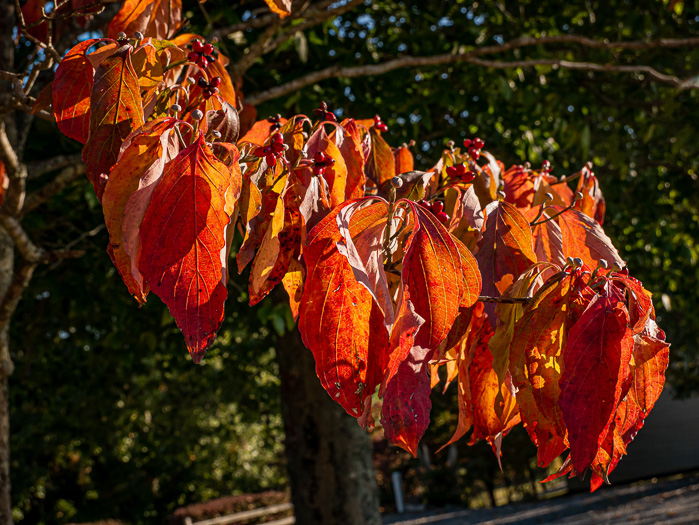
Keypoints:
pixel 16 172
pixel 30 251
pixel 20 280
pixel 42 167
pixel 473 55
pixel 63 179
pixel 506 300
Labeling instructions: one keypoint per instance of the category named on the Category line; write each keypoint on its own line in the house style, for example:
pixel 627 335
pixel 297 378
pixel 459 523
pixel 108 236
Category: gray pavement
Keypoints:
pixel 667 502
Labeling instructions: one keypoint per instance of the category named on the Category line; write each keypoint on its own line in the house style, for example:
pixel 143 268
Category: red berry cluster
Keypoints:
pixel 201 54
pixel 321 162
pixel 276 121
pixel 210 88
pixel 474 147
pixel 437 209
pixel 461 172
pixel 546 167
pixel 323 113
pixel 378 124
pixel 273 151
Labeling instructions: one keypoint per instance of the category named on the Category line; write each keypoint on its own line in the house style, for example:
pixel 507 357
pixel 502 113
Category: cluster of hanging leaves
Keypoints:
pixel 501 281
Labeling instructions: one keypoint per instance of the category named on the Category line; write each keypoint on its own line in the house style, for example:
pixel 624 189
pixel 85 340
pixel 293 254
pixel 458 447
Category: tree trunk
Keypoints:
pixel 329 457
pixel 6 267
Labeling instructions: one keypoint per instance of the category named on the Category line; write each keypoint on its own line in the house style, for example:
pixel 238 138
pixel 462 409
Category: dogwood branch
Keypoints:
pixel 473 57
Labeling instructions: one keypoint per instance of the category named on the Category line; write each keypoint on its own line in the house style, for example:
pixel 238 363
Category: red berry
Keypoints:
pixel 192 56
pixel 277 137
pixel 260 152
pixel 330 116
pixel 198 46
pixel 443 217
pixel 546 166
pixel 478 143
pixel 319 157
pixel 208 49
pixel 271 160
pixel 468 177
pixel 215 82
pixel 451 172
pixel 437 207
pixel 425 204
pixel 474 152
pixel 467 143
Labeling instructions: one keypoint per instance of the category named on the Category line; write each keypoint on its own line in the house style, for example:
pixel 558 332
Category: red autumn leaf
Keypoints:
pixel 153 18
pixel 439 276
pixel 405 414
pixel 505 250
pixel 548 238
pixel 339 320
pixel 351 149
pixel 536 360
pixel 475 334
pixel 115 111
pixel 143 157
pixel 584 237
pixel 280 7
pixel 592 202
pixel 281 243
pixel 519 187
pixel 380 166
pixel 595 366
pixel 261 130
pixel 403 159
pixel 494 407
pixel 71 91
pixel 183 238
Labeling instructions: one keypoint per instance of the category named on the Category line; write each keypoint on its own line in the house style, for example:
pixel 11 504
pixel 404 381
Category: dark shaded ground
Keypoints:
pixel 667 502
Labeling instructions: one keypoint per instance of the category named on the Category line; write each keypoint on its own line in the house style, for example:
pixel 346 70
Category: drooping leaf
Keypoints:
pixel 505 250
pixel 183 242
pixel 340 322
pixel 71 91
pixel 406 409
pixel 595 366
pixel 336 174
pixel 144 155
pixel 380 165
pixel 403 159
pixel 115 111
pixel 153 18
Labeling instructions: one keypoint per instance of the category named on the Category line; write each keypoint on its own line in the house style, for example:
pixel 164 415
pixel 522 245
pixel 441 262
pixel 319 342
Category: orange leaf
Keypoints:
pixel 183 242
pixel 584 237
pixel 519 187
pixel 261 131
pixel 403 159
pixel 115 111
pixel 153 18
pixel 505 250
pixel 143 158
pixel 71 92
pixel 595 366
pixel 336 174
pixel 339 320
pixel 280 7
pixel 380 166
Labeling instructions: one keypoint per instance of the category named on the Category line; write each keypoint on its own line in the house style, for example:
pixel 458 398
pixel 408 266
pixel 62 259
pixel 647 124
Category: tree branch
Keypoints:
pixel 30 251
pixel 19 282
pixel 16 172
pixel 42 167
pixel 473 55
pixel 63 179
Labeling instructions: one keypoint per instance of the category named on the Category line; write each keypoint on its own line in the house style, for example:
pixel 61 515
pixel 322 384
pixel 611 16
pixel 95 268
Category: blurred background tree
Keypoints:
pixel 111 420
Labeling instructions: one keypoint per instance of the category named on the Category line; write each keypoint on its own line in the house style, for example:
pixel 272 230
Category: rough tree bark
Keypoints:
pixel 6 267
pixel 329 457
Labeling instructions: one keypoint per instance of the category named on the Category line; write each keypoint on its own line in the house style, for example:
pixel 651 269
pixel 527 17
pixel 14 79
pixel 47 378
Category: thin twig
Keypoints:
pixel 63 179
pixel 505 300
pixel 472 56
